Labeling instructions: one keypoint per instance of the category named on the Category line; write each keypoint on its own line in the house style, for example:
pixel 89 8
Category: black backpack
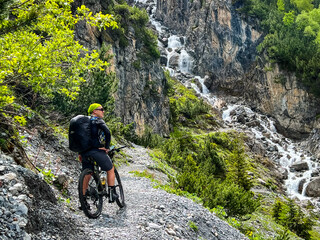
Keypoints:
pixel 80 134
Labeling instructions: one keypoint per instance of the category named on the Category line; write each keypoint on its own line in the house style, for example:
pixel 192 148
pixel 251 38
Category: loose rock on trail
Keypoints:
pixel 150 213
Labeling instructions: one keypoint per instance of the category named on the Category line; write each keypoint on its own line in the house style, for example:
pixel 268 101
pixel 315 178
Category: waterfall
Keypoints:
pixel 279 149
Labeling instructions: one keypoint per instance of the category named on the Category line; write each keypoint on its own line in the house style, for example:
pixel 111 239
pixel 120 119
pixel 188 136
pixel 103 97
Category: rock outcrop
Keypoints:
pixel 313 188
pixel 299 166
pixel 28 206
pixel 223 47
pixel 312 142
pixel 140 97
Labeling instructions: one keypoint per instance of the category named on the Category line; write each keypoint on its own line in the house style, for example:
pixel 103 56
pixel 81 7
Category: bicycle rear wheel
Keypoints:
pixel 119 189
pixel 89 195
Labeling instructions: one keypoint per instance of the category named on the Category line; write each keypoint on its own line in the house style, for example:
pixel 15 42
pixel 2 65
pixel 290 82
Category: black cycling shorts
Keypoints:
pixel 100 156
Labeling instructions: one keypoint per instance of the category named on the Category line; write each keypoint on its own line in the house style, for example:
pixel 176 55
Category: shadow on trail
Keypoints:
pixel 114 220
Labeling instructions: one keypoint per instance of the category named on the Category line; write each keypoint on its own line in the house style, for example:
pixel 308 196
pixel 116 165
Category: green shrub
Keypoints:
pixel 149 139
pixel 126 16
pixel 193 226
pixel 284 235
pixel 48 176
pixel 184 104
pixel 291 216
pixel 215 174
pixel 292 37
pixel 236 200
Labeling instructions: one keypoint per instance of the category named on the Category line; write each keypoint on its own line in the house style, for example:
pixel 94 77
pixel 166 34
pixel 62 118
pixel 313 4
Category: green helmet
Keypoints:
pixel 92 107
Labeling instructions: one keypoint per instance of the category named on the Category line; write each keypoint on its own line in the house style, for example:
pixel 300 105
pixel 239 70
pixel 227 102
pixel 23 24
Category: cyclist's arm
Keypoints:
pixel 105 129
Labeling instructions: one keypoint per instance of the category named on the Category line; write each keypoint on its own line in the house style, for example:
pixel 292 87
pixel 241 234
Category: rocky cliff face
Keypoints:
pixel 141 88
pixel 140 97
pixel 223 47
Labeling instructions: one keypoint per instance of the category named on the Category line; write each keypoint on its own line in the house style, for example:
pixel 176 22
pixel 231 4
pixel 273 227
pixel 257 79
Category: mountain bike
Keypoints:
pixel 92 188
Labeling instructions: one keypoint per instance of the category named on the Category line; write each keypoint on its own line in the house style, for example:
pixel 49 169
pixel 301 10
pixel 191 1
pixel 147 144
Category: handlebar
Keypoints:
pixel 113 149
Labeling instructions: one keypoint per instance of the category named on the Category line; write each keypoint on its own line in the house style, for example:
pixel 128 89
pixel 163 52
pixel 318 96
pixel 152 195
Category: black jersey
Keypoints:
pixel 101 136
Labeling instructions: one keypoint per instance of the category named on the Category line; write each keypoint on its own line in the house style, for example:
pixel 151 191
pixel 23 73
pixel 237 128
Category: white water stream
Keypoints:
pixel 279 149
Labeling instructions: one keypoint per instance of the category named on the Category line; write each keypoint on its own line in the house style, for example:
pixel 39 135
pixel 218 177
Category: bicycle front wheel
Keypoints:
pixel 119 189
pixel 89 195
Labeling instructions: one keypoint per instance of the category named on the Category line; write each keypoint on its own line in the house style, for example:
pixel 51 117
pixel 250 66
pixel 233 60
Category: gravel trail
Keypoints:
pixel 29 208
pixel 153 213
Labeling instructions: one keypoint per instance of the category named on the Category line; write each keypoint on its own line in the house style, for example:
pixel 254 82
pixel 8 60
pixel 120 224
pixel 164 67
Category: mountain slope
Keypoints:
pixel 29 207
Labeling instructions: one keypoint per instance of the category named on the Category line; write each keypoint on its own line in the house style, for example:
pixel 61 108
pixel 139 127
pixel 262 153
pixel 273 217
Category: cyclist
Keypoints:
pixel 101 138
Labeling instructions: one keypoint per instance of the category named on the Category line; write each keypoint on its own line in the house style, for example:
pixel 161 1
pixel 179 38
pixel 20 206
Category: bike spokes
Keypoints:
pixel 89 196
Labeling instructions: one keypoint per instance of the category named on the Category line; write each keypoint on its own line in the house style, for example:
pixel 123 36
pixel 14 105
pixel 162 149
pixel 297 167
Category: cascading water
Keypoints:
pixel 279 149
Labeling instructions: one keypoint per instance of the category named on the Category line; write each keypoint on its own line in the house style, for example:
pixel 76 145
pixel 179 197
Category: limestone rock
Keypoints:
pixel 140 97
pixel 299 166
pixel 313 188
pixel 224 47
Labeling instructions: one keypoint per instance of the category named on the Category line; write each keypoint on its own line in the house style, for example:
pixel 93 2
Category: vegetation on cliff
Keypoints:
pixel 214 167
pixel 42 63
pixel 292 29
pixel 40 59
pixel 136 18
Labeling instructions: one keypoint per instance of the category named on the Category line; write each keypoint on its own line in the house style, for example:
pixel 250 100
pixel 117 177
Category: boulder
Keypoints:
pixel 163 60
pixel 299 166
pixel 164 41
pixel 313 188
pixel 254 123
pixel 285 174
pixel 301 184
pixel 315 173
pixel 174 60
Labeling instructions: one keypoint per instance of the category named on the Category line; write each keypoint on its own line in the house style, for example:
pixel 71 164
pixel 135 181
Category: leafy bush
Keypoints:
pixel 47 175
pixel 99 87
pixel 149 139
pixel 41 54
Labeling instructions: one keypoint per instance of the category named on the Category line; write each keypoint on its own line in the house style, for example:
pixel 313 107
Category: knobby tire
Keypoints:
pixel 91 202
pixel 120 201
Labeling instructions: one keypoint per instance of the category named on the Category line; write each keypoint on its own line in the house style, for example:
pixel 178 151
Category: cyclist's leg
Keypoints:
pixel 86 163
pixel 105 163
pixel 85 184
pixel 110 177
pixel 103 160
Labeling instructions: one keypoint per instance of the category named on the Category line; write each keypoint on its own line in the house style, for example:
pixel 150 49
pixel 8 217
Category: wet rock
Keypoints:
pixel 163 60
pixel 315 173
pixel 313 188
pixel 301 184
pixel 254 123
pixel 174 60
pixel 299 166
pixel 266 134
pixel 196 81
pixel 284 174
pixel 164 41
pixel 273 148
